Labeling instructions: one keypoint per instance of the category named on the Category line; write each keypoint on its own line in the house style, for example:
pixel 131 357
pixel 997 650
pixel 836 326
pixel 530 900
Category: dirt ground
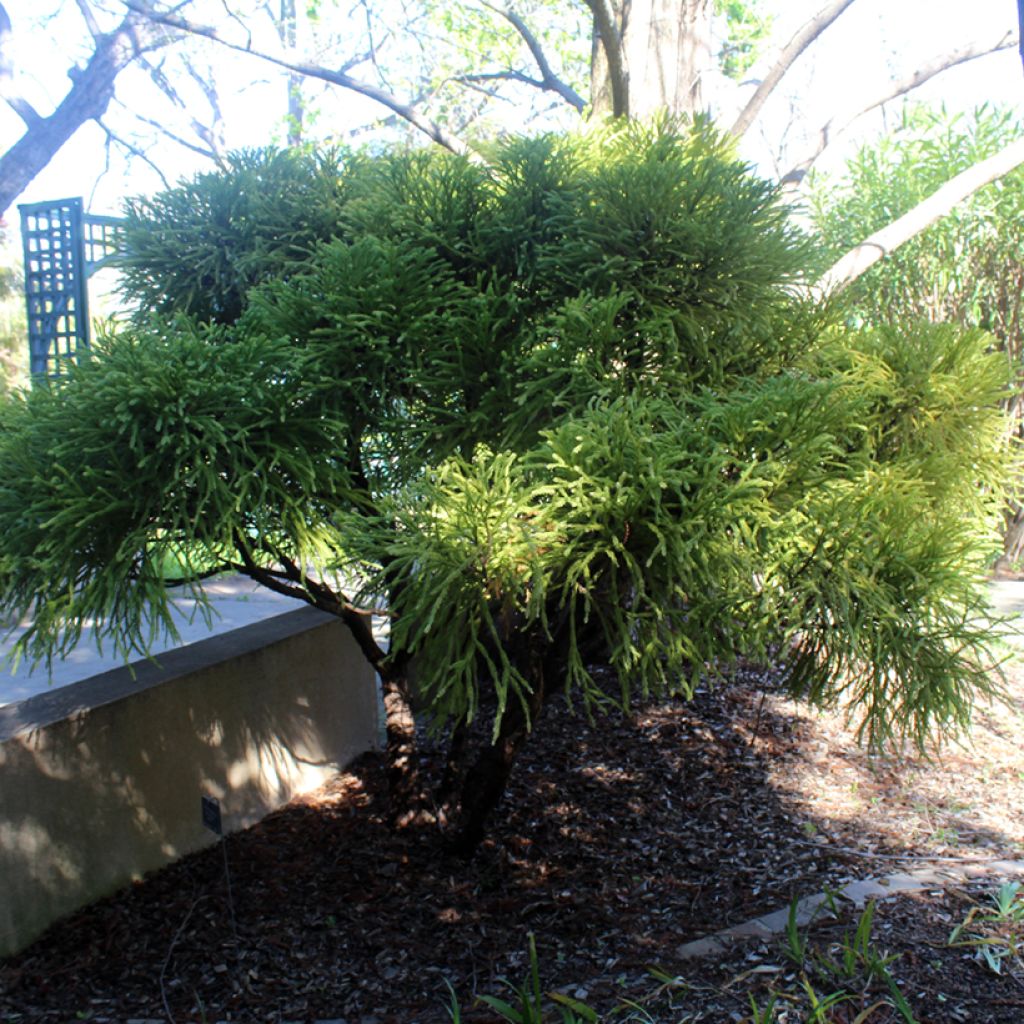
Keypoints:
pixel 618 842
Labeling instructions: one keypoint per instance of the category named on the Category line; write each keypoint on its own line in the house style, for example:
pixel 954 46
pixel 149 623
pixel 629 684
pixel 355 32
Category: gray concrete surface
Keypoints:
pixel 935 875
pixel 236 602
pixel 239 602
pixel 101 779
pixel 1007 596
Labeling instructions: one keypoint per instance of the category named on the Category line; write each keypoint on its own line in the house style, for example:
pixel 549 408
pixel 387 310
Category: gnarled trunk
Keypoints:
pixel 92 88
pixel 404 791
pixel 485 781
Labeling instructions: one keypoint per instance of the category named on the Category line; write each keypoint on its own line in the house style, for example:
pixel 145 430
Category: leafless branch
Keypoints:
pixel 89 18
pixel 206 86
pixel 162 82
pixel 233 17
pixel 314 591
pixel 548 79
pixel 210 134
pixel 8 90
pixel 611 42
pixel 374 46
pixel 213 133
pixel 92 88
pixel 499 76
pixel 474 82
pixel 209 154
pixel 938 204
pixel 431 129
pixel 131 148
pixel 841 120
pixel 789 53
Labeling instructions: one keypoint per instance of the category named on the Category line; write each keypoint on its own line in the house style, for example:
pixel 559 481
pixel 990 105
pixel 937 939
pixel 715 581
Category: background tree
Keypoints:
pixel 564 410
pixel 92 88
pixel 968 267
pixel 13 333
pixel 454 72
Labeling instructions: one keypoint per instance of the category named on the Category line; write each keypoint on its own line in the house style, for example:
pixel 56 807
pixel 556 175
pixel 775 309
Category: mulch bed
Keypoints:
pixel 618 841
pixel 942 984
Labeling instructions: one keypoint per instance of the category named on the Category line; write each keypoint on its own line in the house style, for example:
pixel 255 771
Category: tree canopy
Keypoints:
pixel 569 407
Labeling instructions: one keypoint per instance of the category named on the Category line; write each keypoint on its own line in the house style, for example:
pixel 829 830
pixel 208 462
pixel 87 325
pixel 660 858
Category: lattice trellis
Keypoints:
pixel 63 246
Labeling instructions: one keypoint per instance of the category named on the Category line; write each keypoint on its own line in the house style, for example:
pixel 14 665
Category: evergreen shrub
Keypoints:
pixel 568 407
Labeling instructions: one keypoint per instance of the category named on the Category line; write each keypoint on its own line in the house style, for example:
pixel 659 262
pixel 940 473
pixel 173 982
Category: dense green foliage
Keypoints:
pixel 13 332
pixel 968 268
pixel 748 30
pixel 565 407
pixel 230 229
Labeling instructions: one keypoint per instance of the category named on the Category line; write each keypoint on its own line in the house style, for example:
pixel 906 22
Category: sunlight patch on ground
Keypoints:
pixel 965 800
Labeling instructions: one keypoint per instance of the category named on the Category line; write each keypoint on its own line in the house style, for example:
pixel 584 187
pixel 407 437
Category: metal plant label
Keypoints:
pixel 211 815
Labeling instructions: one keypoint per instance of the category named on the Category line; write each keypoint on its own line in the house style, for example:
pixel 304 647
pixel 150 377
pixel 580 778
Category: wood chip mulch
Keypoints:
pixel 617 842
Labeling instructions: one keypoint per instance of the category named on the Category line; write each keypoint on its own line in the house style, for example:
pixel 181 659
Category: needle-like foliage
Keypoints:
pixel 564 408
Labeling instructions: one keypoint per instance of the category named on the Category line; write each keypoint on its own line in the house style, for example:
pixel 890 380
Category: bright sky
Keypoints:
pixel 873 41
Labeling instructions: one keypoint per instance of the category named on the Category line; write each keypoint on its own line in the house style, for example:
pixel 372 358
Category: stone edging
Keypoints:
pixel 935 874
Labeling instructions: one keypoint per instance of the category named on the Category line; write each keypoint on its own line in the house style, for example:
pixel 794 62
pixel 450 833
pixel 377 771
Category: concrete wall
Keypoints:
pixel 101 781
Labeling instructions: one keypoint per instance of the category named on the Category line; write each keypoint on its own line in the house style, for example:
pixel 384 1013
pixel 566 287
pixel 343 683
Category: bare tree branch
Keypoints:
pixel 89 18
pixel 513 76
pixel 374 46
pixel 840 121
pixel 136 151
pixel 938 204
pixel 213 133
pixel 548 79
pixel 789 53
pixel 206 153
pixel 231 15
pixel 611 41
pixel 473 82
pixel 8 90
pixel 429 128
pixel 92 88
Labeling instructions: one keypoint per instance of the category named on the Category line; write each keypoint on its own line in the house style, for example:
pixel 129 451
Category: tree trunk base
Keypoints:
pixel 405 794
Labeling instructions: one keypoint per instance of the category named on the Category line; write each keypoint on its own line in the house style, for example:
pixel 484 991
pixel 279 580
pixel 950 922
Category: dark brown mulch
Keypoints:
pixel 909 938
pixel 617 842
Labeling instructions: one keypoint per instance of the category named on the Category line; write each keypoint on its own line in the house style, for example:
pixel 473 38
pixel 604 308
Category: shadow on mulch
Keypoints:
pixel 617 842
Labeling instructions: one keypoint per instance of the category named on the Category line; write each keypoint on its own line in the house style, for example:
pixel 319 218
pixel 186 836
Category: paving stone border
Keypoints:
pixel 930 876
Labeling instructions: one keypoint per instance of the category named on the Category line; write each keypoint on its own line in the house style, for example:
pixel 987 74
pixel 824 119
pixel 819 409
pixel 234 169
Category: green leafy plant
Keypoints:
pixel 854 962
pixel 967 268
pixel 530 1001
pixel 995 931
pixel 796 941
pixel 454 1007
pixel 765 1014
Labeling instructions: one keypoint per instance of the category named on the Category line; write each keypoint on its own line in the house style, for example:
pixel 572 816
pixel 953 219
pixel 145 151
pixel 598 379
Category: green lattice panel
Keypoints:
pixel 55 292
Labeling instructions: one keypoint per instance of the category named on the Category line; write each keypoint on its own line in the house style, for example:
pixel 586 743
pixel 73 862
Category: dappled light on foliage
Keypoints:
pixel 568 410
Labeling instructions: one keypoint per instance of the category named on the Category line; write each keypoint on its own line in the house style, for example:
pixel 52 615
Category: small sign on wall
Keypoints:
pixel 211 815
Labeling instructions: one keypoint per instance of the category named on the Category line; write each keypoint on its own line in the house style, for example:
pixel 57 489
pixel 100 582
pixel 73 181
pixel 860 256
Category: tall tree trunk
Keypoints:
pixel 287 30
pixel 665 48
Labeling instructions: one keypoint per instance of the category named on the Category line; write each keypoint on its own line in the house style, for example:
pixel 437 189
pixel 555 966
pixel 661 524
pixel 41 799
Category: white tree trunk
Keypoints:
pixel 926 213
pixel 665 49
